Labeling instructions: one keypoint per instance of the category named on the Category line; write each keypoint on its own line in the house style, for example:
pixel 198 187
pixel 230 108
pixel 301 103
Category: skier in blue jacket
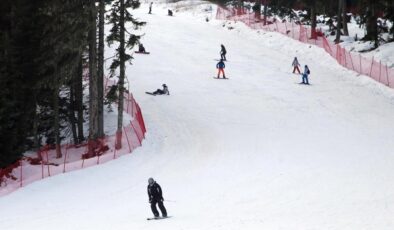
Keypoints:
pixel 305 75
pixel 220 66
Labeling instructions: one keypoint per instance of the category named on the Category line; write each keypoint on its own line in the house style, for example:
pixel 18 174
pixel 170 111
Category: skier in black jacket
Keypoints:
pixel 156 197
pixel 223 52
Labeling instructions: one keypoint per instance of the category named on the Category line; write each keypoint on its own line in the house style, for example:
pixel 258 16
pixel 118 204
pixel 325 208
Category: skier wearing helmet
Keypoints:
pixel 161 91
pixel 156 197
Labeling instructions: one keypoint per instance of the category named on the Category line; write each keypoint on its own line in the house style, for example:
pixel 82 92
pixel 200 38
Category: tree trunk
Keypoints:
pixel 93 89
pixel 35 130
pixel 344 18
pixel 339 19
pixel 313 19
pixel 257 12
pixel 240 7
pixel 390 9
pixel 56 120
pixel 71 109
pixel 100 71
pixel 122 75
pixel 372 27
pixel 79 100
pixel 265 11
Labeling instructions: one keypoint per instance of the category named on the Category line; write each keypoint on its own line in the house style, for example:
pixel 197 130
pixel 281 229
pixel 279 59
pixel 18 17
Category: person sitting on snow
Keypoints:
pixel 162 91
pixel 141 48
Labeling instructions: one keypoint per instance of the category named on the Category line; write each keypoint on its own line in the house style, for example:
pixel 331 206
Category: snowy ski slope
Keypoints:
pixel 258 151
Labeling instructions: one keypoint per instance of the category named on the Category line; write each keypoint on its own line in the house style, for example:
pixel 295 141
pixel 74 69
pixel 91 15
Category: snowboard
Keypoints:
pixel 150 93
pixel 221 78
pixel 157 218
pixel 138 52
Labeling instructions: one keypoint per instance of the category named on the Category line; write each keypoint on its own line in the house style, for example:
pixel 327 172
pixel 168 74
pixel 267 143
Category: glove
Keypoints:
pixel 150 200
pixel 162 199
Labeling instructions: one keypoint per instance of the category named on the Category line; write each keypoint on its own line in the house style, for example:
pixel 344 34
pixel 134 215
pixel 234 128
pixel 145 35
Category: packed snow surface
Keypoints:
pixel 258 151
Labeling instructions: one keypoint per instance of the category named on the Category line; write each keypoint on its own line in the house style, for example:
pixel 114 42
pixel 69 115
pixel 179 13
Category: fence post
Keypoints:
pixel 370 72
pixel 286 29
pixel 128 102
pixel 98 153
pixel 1 176
pixel 361 68
pixel 249 19
pixel 127 138
pixel 114 152
pixel 42 165
pixel 380 68
pixel 306 35
pixel 387 75
pixel 299 34
pixel 351 60
pixel 49 172
pixel 132 106
pixel 139 139
pixel 142 123
pixel 20 163
pixel 141 120
pixel 65 157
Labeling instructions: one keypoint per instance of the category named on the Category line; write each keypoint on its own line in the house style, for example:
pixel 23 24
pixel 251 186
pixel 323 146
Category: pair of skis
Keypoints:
pixel 158 218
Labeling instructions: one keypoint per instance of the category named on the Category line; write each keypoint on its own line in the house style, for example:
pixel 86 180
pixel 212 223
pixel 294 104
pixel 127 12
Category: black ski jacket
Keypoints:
pixel 223 50
pixel 154 192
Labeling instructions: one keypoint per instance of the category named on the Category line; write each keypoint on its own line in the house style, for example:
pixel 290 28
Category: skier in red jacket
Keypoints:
pixel 220 66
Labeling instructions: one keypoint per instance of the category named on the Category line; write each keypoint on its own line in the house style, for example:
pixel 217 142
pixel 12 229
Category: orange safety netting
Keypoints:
pixel 351 60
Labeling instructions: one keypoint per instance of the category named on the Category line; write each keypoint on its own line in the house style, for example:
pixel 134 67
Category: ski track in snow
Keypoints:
pixel 258 151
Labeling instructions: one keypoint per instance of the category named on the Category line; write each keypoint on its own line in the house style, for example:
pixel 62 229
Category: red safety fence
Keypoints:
pixel 74 157
pixel 351 60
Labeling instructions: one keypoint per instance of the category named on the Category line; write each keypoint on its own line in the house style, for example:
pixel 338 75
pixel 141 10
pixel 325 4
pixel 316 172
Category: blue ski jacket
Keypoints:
pixel 220 65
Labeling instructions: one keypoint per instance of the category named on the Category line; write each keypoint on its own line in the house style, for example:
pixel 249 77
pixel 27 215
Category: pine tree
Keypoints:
pixel 118 18
pixel 39 46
